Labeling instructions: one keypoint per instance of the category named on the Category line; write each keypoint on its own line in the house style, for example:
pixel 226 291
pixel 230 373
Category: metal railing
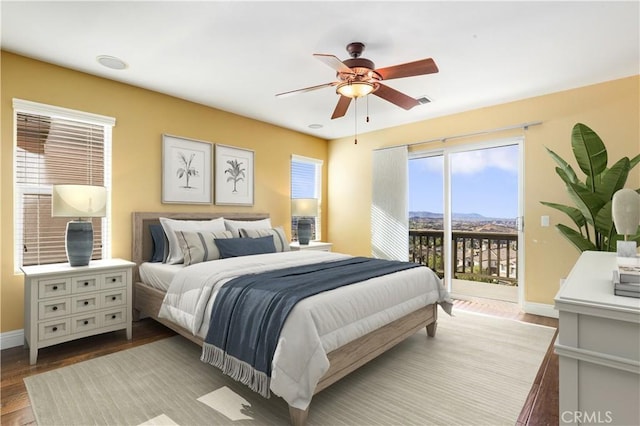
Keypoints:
pixel 477 256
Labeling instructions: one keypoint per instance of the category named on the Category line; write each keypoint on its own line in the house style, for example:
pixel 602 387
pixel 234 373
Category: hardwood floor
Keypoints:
pixel 541 407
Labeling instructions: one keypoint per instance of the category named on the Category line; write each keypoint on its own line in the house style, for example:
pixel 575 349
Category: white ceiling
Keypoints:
pixel 236 56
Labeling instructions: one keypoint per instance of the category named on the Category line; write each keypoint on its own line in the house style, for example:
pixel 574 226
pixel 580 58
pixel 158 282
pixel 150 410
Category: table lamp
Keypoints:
pixel 81 202
pixel 625 210
pixel 304 208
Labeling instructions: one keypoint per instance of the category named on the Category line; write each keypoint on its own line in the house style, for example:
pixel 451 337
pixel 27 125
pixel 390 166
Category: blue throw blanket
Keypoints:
pixel 249 312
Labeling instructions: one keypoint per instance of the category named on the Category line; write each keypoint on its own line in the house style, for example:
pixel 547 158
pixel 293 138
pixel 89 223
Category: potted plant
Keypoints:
pixel 592 196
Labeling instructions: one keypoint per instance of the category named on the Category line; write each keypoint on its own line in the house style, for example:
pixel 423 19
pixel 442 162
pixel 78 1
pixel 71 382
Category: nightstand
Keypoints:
pixel 313 245
pixel 64 302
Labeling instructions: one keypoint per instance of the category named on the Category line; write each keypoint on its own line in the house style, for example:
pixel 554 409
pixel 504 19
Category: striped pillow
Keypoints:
pixel 200 246
pixel 279 237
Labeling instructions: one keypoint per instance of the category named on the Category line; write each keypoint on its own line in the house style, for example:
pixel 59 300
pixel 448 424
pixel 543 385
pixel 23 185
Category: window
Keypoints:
pixel 306 182
pixel 56 146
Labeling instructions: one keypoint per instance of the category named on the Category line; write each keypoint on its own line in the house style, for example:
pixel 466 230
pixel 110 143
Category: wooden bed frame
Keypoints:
pixel 147 301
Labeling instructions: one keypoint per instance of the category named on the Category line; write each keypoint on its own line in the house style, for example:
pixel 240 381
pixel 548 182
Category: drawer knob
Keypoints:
pixel 86 302
pixel 55 287
pixel 86 283
pixel 55 308
pixel 113 298
pixel 55 329
pixel 113 280
pixel 113 317
pixel 86 322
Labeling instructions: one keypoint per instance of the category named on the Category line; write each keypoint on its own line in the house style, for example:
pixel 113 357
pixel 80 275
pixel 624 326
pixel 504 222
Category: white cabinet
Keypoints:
pixel 598 346
pixel 313 245
pixel 64 303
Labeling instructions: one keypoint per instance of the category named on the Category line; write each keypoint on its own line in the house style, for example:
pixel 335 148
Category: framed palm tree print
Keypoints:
pixel 186 171
pixel 234 176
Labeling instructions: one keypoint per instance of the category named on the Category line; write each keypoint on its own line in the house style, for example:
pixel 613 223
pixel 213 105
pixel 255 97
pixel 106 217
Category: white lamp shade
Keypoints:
pixel 79 201
pixel 304 207
pixel 625 210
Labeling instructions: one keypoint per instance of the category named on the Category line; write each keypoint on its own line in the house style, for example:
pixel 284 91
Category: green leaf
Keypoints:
pixel 564 176
pixel 604 226
pixel 588 202
pixel 589 151
pixel 565 167
pixel 576 238
pixel 634 161
pixel 574 213
pixel 613 179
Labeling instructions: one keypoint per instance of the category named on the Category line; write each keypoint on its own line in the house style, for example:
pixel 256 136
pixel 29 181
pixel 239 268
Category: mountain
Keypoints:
pixel 456 216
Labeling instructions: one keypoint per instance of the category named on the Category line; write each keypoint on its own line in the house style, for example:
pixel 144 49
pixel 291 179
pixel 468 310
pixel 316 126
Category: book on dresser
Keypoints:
pixel 629 289
pixel 628 269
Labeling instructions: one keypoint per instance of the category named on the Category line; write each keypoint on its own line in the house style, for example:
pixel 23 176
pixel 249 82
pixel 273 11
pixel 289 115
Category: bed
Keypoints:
pixel 342 359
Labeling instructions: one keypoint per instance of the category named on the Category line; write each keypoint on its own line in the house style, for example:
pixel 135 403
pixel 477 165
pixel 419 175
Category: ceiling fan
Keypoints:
pixel 358 77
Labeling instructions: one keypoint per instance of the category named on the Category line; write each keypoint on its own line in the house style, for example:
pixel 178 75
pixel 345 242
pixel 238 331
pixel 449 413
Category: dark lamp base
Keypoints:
pixel 79 242
pixel 304 231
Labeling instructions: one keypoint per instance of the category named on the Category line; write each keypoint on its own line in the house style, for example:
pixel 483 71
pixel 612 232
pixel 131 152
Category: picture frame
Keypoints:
pixel 234 176
pixel 186 171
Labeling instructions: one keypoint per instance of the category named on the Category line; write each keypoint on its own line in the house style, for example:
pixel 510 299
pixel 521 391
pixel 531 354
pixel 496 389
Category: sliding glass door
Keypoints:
pixel 465 205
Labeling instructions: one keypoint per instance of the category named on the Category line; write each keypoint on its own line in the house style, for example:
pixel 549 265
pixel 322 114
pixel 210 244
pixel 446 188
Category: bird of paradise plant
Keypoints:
pixel 236 173
pixel 592 216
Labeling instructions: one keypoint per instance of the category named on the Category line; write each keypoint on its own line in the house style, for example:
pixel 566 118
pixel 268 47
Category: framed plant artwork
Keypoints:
pixel 234 176
pixel 186 171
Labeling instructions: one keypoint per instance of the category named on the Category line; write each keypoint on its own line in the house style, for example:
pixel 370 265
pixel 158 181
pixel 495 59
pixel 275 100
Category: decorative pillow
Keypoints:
pixel 159 243
pixel 200 246
pixel 279 237
pixel 235 225
pixel 170 227
pixel 234 247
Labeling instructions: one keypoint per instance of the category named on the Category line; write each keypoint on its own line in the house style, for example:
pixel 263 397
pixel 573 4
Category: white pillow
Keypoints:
pixel 170 227
pixel 200 246
pixel 236 225
pixel 279 237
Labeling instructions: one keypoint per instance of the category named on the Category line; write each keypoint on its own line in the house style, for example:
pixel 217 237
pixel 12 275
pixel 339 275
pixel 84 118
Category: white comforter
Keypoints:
pixel 317 325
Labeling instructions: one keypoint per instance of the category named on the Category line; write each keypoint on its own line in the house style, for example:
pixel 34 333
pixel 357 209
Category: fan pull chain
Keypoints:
pixel 355 112
pixel 367 108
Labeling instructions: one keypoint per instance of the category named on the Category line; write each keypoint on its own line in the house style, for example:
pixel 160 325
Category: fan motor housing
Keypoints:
pixel 363 69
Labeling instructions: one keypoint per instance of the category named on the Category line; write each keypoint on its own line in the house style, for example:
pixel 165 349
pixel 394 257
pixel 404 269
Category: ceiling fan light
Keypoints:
pixel 355 89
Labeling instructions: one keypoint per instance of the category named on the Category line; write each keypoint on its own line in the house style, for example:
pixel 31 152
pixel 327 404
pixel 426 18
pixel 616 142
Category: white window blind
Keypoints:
pixel 55 146
pixel 306 182
pixel 390 200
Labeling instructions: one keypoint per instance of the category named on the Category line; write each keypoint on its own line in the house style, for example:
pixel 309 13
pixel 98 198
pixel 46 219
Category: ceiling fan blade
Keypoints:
pixel 395 97
pixel 342 107
pixel 333 62
pixel 306 89
pixel 424 66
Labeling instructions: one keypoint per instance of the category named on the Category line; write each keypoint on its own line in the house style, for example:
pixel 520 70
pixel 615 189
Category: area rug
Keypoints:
pixel 478 370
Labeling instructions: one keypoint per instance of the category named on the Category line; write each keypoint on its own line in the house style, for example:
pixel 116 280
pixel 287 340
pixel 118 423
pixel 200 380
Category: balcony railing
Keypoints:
pixel 477 256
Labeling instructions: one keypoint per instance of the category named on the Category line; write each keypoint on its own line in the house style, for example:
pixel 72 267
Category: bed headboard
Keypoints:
pixel 142 243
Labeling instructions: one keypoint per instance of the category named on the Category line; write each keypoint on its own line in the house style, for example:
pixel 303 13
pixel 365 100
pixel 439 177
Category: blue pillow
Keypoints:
pixel 157 233
pixel 234 247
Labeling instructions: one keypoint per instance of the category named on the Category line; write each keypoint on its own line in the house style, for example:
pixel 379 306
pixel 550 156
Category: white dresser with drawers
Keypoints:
pixel 598 346
pixel 64 302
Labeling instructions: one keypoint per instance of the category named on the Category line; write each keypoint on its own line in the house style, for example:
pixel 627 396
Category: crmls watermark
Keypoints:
pixel 593 417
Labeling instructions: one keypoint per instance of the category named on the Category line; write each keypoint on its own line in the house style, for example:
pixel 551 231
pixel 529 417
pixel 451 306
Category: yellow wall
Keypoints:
pixel 612 109
pixel 142 116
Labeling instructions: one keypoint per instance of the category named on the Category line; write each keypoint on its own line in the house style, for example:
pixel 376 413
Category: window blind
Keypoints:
pixel 389 208
pixel 53 150
pixel 306 182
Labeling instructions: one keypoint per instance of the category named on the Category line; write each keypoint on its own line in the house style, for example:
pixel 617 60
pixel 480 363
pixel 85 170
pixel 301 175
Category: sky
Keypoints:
pixel 483 182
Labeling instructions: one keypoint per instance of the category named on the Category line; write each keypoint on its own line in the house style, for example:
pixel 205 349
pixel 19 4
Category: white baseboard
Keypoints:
pixel 11 339
pixel 541 309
